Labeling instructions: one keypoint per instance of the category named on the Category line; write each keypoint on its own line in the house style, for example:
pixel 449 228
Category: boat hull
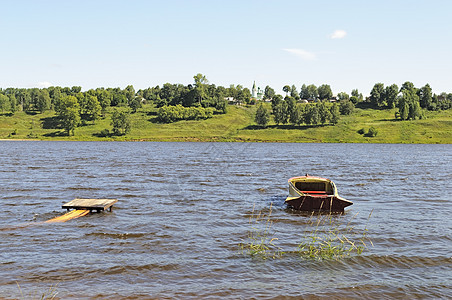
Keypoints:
pixel 318 203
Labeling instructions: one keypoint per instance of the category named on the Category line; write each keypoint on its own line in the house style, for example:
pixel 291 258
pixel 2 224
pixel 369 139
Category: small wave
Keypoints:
pixel 406 262
pixel 377 291
pixel 34 168
pixel 122 236
pixel 82 188
pixel 243 175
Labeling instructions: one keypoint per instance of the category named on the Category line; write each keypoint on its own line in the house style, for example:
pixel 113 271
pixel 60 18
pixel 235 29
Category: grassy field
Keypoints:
pixel 238 125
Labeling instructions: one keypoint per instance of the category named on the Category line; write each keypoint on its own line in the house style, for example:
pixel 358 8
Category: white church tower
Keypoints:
pixel 257 93
pixel 253 90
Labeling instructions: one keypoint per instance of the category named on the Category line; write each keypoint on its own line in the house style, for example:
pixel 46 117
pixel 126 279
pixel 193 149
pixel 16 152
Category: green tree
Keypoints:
pixel 69 112
pixel 286 89
pixel 244 95
pixel 390 95
pixel 297 115
pixel 346 107
pixel 304 92
pixel 343 96
pixel 358 95
pixel 43 101
pixel 291 109
pixel 200 86
pixel 334 110
pixel 409 105
pixel 294 93
pixel 276 99
pixel 262 116
pixel 93 108
pixel 82 101
pixel 415 110
pixel 13 103
pixel 377 94
pixel 324 112
pixel 404 109
pixel 354 99
pixel 104 97
pixel 120 121
pixel 425 100
pixel 312 92
pixel 325 92
pixel 4 103
pixel 280 112
pixel 269 93
pixel 129 92
pixel 135 104
pixel 75 90
pixel 119 99
pixel 24 99
pixel 407 86
pixel 56 95
pixel 311 114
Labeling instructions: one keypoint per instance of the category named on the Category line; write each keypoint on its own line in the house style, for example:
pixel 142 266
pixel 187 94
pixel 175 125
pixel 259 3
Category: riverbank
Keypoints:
pixel 238 126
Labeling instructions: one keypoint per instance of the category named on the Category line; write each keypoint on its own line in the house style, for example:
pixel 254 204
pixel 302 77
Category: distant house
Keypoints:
pixel 230 100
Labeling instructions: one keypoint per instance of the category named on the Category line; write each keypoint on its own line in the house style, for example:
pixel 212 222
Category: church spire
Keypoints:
pixel 253 90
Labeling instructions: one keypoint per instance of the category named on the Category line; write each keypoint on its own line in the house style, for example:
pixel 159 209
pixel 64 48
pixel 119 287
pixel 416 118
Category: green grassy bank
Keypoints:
pixel 238 125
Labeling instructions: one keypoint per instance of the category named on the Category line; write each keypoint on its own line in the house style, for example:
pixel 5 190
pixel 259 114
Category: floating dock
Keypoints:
pixel 90 204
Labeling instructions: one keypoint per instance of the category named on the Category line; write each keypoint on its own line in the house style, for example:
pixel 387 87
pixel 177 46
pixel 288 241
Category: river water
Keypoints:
pixel 184 209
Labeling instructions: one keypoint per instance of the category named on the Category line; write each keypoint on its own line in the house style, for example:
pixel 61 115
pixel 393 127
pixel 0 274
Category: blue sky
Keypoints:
pixel 346 44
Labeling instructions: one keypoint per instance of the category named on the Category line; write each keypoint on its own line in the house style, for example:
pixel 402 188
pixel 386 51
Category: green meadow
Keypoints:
pixel 238 125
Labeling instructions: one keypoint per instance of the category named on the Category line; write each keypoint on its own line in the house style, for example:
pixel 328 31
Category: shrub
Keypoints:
pixel 346 107
pixel 104 133
pixel 372 132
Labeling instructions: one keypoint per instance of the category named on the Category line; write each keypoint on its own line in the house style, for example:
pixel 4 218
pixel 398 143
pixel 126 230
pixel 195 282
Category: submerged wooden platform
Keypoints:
pixel 90 204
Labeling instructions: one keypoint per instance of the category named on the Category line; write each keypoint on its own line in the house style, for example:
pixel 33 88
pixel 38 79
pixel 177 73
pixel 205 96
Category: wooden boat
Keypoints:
pixel 310 193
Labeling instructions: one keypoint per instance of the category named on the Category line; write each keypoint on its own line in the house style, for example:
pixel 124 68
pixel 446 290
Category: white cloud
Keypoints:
pixel 338 34
pixel 43 84
pixel 303 54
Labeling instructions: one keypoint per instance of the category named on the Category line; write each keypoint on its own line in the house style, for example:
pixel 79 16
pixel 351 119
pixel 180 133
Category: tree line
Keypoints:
pixel 74 107
pixel 201 99
pixel 408 99
pixel 290 111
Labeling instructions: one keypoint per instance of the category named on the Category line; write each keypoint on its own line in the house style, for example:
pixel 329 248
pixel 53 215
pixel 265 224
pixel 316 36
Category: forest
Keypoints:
pixel 309 105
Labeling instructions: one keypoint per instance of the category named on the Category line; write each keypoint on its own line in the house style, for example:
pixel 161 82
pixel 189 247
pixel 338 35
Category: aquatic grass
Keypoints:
pixel 325 237
pixel 260 239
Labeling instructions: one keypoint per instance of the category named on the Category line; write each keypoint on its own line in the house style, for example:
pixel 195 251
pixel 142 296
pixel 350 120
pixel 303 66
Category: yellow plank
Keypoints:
pixel 69 216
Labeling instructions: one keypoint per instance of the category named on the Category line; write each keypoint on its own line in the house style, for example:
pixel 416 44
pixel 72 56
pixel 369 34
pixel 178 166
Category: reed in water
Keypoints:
pixel 260 239
pixel 326 236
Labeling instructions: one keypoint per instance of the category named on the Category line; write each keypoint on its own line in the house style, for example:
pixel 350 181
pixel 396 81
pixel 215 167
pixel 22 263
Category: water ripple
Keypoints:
pixel 184 208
